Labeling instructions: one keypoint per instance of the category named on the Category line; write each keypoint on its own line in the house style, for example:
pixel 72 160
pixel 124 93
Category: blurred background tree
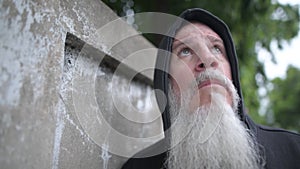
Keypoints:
pixel 284 100
pixel 254 25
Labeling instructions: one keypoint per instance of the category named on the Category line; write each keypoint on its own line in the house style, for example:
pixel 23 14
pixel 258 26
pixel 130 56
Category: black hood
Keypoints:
pixel 163 58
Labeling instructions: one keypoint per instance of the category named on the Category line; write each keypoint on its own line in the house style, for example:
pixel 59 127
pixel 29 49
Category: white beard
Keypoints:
pixel 218 141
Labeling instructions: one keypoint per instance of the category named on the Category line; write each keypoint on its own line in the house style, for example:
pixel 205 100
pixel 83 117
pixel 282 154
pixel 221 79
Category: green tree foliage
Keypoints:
pixel 252 22
pixel 284 100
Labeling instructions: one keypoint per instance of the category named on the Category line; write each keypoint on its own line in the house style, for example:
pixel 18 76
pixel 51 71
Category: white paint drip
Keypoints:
pixel 60 124
pixel 105 155
pixel 82 133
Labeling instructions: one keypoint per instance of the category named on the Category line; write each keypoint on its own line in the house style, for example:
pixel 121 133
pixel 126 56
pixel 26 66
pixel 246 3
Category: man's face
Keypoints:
pixel 197 48
pixel 212 135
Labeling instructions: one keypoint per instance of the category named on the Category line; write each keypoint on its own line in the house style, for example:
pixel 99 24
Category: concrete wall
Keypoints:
pixel 55 96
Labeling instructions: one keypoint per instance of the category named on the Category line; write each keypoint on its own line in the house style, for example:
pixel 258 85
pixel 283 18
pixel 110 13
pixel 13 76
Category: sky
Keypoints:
pixel 289 55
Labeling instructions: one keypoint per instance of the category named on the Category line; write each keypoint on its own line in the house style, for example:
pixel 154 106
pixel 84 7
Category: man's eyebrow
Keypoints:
pixel 176 43
pixel 179 42
pixel 214 39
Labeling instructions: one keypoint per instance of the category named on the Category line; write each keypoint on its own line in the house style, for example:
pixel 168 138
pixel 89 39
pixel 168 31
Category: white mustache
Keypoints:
pixel 217 77
pixel 213 75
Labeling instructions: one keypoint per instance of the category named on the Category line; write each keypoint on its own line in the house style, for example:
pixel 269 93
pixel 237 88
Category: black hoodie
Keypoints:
pixel 280 148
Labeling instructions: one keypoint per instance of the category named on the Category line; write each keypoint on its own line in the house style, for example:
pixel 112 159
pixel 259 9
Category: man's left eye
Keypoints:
pixel 217 50
pixel 185 52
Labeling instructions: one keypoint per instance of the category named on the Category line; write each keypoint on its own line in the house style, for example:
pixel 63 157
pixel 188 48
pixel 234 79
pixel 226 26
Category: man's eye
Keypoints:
pixel 217 50
pixel 185 52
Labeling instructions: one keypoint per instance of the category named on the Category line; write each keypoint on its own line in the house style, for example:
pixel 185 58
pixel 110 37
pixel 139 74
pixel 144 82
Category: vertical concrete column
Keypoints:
pixel 40 42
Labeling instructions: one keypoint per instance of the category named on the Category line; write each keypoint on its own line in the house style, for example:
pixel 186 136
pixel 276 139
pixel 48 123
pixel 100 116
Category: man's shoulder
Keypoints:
pixel 272 132
pixel 281 148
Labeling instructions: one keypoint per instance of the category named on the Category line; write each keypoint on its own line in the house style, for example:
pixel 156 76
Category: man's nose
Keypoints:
pixel 205 62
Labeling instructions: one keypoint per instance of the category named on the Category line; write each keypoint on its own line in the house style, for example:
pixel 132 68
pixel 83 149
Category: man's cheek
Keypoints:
pixel 181 88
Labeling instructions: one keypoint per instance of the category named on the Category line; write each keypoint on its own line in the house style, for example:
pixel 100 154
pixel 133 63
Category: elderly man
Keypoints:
pixel 204 120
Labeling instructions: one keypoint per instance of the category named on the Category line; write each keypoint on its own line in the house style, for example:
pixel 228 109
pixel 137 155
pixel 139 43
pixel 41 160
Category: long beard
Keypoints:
pixel 211 137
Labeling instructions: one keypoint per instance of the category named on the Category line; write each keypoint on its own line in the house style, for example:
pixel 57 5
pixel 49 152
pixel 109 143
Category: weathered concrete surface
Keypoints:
pixel 38 126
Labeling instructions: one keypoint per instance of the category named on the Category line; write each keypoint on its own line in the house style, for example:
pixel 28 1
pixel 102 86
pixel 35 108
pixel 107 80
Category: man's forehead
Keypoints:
pixel 196 28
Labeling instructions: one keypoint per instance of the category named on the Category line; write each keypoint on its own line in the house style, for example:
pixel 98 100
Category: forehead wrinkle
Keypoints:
pixel 187 41
pixel 189 30
pixel 193 39
pixel 200 28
